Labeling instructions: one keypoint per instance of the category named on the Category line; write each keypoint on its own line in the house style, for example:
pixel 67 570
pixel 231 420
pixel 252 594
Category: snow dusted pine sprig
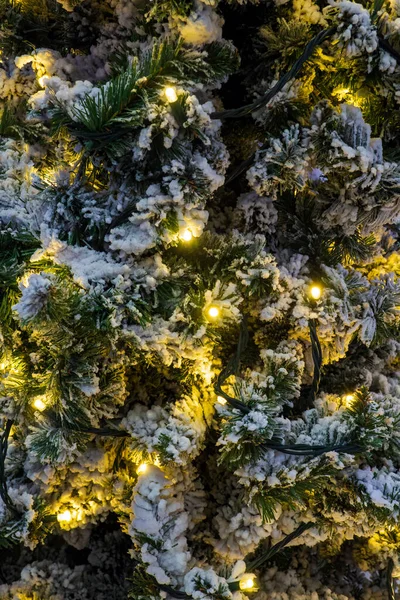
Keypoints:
pixel 355 32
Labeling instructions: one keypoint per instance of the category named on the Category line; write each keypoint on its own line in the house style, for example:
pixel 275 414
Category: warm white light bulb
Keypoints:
pixel 186 235
pixel 39 404
pixel 213 312
pixel 142 469
pixel 171 94
pixel 315 292
pixel 349 398
pixel 246 583
pixel 221 400
pixel 64 517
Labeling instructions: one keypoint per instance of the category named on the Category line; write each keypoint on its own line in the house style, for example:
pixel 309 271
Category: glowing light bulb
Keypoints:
pixel 247 582
pixel 349 398
pixel 41 80
pixel 186 235
pixel 142 469
pixel 39 404
pixel 213 312
pixel 221 400
pixel 64 517
pixel 171 94
pixel 315 292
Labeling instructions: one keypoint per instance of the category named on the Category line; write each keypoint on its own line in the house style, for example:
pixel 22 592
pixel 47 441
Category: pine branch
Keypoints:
pixel 10 533
pixel 122 103
pixel 294 495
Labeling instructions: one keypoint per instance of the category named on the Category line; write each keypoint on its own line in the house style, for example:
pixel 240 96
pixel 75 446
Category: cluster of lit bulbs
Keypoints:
pixel 187 235
pixel 213 312
pixel 247 582
pixel 315 293
pixel 67 515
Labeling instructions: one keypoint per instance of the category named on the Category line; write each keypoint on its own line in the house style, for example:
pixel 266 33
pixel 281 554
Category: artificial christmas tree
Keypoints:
pixel 200 305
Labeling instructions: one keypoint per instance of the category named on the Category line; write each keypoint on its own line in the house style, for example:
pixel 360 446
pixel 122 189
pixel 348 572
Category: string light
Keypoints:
pixel 186 235
pixel 247 582
pixel 171 94
pixel 221 400
pixel 39 404
pixel 41 80
pixel 142 469
pixel 315 292
pixel 213 312
pixel 64 517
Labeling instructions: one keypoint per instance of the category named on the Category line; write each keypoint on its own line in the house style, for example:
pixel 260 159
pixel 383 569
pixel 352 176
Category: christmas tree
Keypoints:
pixel 200 299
